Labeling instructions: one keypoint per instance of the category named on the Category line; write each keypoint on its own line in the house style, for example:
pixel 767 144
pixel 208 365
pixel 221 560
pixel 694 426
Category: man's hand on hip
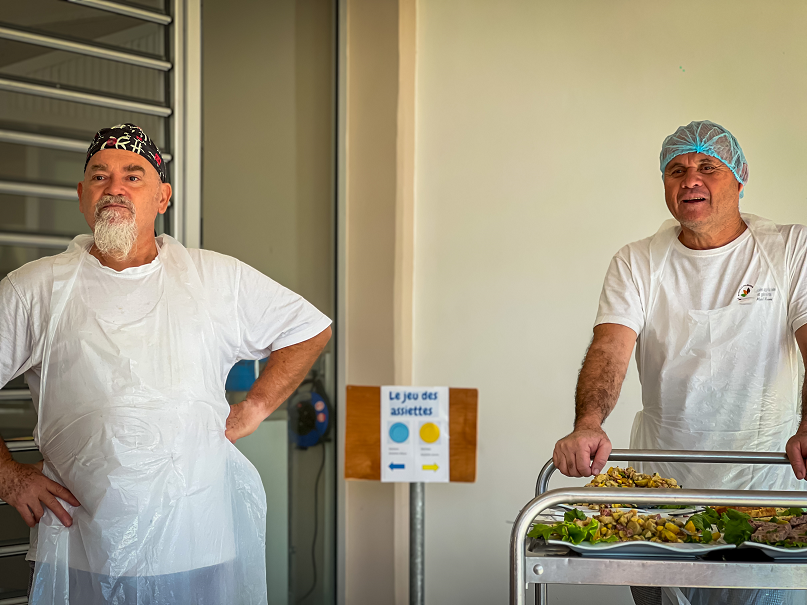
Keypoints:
pixel 796 449
pixel 244 419
pixel 25 488
pixel 283 373
pixel 574 453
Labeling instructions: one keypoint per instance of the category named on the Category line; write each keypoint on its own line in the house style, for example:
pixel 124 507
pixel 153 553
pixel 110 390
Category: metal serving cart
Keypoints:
pixel 556 564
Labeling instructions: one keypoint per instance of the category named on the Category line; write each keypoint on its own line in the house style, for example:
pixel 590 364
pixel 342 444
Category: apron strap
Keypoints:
pixel 65 270
pixel 772 248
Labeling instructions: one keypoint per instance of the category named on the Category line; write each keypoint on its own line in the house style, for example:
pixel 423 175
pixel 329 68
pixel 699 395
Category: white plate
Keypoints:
pixel 664 512
pixel 643 549
pixel 777 552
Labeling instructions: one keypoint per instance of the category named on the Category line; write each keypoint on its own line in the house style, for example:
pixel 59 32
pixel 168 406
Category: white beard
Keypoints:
pixel 115 230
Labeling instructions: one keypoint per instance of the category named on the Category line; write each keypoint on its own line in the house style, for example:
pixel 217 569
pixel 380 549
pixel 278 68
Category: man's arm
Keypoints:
pixel 23 486
pixel 598 387
pixel 285 370
pixel 796 447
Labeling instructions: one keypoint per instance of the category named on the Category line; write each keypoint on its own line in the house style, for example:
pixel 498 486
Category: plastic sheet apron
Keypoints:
pixel 131 420
pixel 725 379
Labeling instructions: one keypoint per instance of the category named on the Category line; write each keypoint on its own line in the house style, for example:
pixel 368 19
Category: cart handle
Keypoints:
pixel 673 456
pixel 638 496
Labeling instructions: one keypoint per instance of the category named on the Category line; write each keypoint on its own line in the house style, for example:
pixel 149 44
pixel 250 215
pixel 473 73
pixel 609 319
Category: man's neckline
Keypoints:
pixel 738 241
pixel 128 271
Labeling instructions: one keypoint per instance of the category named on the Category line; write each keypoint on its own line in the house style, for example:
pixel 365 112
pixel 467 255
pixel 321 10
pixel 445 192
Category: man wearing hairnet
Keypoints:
pixel 716 302
pixel 125 340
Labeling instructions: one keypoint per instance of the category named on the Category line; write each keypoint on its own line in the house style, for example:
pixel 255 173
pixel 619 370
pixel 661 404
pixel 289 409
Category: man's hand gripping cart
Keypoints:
pixel 555 564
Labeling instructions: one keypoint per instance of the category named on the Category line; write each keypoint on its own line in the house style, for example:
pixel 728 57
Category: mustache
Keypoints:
pixel 113 200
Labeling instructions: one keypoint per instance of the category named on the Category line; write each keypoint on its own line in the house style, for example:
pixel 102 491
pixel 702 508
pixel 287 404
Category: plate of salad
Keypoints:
pixel 620 532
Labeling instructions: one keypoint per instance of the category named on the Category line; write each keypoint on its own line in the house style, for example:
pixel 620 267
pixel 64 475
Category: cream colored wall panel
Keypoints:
pixel 539 126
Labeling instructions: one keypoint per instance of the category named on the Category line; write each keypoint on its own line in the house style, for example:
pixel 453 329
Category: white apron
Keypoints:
pixel 725 379
pixel 131 420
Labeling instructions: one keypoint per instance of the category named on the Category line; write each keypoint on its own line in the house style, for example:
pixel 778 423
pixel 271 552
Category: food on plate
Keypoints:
pixel 726 524
pixel 628 477
pixel 630 526
pixel 614 525
pixel 781 532
pixel 752 511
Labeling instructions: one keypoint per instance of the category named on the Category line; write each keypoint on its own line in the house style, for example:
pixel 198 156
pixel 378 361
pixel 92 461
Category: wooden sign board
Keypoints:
pixel 363 434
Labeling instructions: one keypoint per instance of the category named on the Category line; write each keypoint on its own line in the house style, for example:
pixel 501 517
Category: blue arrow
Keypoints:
pixel 392 466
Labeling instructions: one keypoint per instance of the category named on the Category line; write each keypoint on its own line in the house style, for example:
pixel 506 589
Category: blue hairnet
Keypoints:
pixel 709 138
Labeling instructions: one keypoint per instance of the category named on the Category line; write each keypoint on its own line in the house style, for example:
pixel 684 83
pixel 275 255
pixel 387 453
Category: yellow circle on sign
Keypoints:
pixel 429 432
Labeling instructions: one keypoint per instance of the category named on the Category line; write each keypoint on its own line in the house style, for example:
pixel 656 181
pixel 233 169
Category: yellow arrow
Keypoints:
pixel 430 467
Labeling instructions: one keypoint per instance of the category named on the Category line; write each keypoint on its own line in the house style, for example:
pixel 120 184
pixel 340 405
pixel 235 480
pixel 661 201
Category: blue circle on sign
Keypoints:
pixel 399 432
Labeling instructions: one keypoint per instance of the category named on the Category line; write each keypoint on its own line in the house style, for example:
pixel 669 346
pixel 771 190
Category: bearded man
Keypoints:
pixel 125 340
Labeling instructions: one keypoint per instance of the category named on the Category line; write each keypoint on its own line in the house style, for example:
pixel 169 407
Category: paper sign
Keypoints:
pixel 414 434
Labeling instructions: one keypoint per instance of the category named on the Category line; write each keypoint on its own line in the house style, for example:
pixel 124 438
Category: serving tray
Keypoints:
pixel 777 552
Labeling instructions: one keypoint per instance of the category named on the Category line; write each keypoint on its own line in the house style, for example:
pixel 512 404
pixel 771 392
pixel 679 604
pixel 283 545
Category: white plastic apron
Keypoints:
pixel 131 420
pixel 725 379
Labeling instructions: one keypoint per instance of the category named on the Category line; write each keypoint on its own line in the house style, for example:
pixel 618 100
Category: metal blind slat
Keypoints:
pixel 81 48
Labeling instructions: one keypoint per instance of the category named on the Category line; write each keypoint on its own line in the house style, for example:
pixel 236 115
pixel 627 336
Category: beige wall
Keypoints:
pixel 538 131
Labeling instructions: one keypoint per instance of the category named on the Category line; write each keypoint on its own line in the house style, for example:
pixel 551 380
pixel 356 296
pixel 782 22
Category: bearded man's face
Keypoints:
pixel 120 197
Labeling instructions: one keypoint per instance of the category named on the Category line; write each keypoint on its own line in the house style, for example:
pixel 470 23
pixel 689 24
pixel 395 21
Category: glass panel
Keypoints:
pixel 47 66
pixel 16 383
pixel 48 116
pixel 40 165
pixel 14 570
pixel 41 215
pixel 13 257
pixel 17 420
pixel 85 24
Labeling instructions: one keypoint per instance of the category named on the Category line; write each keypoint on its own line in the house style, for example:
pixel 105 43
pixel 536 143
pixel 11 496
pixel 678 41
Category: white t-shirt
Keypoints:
pixel 253 315
pixel 704 279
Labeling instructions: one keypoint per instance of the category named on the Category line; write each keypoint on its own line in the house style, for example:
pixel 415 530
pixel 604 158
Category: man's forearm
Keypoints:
pixel 600 380
pixel 284 372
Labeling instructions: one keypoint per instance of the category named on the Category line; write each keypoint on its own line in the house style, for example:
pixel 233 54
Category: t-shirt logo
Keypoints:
pixel 744 292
